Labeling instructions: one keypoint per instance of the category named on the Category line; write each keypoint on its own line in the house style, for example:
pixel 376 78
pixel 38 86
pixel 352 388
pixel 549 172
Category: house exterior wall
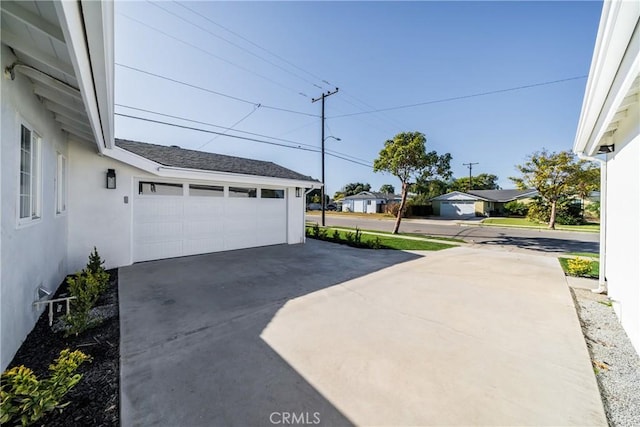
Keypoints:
pixel 482 207
pixel 32 255
pixel 436 207
pixel 623 229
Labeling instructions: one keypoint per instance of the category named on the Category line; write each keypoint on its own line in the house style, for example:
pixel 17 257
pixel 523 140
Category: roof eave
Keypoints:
pixel 161 170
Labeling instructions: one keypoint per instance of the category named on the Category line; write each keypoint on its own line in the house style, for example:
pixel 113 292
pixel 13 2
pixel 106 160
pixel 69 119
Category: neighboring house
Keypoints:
pixel 67 185
pixel 368 202
pixel 459 204
pixel 610 125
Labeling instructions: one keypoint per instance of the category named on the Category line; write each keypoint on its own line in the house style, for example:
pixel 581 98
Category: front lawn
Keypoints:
pixel 594 273
pixel 383 242
pixel 423 236
pixel 523 222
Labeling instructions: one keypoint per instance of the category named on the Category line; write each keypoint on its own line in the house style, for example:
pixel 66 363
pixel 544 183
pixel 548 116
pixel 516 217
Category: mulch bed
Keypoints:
pixel 95 400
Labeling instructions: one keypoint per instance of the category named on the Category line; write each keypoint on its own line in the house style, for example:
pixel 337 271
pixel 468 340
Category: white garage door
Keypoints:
pixel 171 220
pixel 457 209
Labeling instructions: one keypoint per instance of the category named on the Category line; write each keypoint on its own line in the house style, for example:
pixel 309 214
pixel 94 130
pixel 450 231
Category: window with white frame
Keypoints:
pixel 29 175
pixel 61 185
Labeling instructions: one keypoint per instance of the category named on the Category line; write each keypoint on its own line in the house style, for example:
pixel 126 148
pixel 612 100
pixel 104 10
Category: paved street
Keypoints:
pixel 549 241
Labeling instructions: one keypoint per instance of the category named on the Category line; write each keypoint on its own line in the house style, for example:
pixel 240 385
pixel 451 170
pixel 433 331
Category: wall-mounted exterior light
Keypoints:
pixel 298 192
pixel 111 179
pixel 606 149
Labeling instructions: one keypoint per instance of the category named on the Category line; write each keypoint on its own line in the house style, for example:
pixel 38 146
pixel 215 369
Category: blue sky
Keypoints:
pixel 261 58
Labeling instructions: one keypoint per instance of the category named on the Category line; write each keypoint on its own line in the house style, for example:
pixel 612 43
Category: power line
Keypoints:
pixel 456 98
pixel 209 53
pixel 299 147
pixel 230 127
pixel 254 44
pixel 232 43
pixel 209 124
pixel 278 57
pixel 270 107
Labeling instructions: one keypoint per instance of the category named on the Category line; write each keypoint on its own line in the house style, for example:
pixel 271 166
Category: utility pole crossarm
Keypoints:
pixel 470 166
pixel 322 97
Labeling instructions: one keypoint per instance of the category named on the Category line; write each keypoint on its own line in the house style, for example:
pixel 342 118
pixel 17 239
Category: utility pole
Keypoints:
pixel 470 166
pixel 322 97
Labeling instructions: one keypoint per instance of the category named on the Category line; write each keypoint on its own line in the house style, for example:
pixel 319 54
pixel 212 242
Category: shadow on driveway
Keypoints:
pixel 191 351
pixel 543 244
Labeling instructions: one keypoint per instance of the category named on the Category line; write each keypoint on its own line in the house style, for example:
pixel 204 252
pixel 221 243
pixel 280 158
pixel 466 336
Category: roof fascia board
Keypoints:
pixel 618 23
pixel 157 169
pixel 99 17
pixel 73 27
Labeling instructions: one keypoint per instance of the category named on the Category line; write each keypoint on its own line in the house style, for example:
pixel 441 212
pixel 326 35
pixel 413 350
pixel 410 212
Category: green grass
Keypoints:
pixel 593 274
pixel 397 243
pixel 424 236
pixel 584 254
pixel 523 222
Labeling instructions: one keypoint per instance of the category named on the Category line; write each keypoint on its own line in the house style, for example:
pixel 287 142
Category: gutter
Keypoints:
pixel 602 278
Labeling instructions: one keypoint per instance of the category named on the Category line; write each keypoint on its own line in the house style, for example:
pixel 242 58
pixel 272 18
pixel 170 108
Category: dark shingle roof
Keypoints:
pixel 500 195
pixel 364 195
pixel 174 156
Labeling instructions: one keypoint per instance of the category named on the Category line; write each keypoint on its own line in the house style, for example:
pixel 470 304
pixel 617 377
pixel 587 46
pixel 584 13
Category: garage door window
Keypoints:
pixel 242 192
pixel 206 190
pixel 267 193
pixel 159 189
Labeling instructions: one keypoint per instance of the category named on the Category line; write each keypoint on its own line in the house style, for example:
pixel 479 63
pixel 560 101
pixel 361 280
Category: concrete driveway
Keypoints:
pixel 326 334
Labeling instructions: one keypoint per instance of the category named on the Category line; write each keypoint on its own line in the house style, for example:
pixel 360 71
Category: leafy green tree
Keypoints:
pixel 406 158
pixel 388 189
pixel 555 176
pixel 315 196
pixel 354 188
pixel 484 181
pixel 430 188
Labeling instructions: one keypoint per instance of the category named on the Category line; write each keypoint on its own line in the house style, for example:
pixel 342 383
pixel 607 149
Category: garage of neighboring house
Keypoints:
pixel 457 208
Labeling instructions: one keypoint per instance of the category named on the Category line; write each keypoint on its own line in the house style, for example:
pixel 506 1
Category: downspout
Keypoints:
pixel 602 278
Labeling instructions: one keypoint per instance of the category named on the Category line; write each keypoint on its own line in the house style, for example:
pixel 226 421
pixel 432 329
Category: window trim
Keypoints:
pixel 62 184
pixel 232 189
pixel 35 194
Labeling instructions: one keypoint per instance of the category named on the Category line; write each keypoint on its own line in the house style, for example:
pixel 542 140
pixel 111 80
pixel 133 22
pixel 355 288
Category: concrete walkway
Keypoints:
pixel 344 336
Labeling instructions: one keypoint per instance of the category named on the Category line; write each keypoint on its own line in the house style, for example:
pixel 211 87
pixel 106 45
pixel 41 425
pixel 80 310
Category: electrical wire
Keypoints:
pixel 234 44
pixel 298 147
pixel 456 98
pixel 230 127
pixel 209 53
pixel 270 107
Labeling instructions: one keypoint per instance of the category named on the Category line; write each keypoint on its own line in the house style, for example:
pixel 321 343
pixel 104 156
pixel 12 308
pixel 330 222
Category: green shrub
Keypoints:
pixel 25 399
pixel 336 235
pixel 516 208
pixel 357 238
pixel 86 288
pixel 567 212
pixel 593 209
pixel 578 266
pixel 375 244
pixel 95 263
pixel 315 230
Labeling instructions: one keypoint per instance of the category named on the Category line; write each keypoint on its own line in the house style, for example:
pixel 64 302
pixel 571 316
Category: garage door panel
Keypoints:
pixel 203 245
pixel 172 226
pixel 159 250
pixel 457 209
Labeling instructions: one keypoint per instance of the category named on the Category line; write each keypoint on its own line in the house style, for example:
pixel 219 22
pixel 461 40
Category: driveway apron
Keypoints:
pixel 330 335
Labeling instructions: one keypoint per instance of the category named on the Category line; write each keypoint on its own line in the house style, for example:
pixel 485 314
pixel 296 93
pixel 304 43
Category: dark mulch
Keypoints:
pixel 95 400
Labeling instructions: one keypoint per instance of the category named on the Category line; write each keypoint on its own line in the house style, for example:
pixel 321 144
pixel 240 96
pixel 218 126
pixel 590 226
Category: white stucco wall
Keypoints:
pixel 623 227
pixel 100 217
pixel 32 255
pixel 295 216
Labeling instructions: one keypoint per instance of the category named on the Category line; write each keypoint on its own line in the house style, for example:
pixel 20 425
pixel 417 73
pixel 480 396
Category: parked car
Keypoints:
pixel 331 207
pixel 314 207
